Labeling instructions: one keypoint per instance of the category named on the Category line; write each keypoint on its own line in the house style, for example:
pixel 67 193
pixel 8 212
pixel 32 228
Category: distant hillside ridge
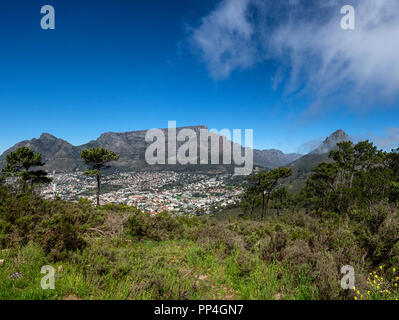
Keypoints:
pixel 61 156
pixel 302 167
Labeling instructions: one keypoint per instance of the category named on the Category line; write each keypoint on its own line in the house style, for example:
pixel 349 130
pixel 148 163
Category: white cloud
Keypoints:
pixel 307 39
pixel 388 141
pixel 224 39
pixel 309 146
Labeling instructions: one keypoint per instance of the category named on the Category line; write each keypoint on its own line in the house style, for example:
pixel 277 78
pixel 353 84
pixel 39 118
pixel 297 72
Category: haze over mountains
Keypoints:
pixel 310 160
pixel 302 167
pixel 62 156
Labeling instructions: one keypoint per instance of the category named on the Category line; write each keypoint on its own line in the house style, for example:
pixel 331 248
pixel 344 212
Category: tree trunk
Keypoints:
pixel 351 181
pixel 263 204
pixel 98 189
pixel 253 206
pixel 24 182
pixel 341 193
pixel 267 202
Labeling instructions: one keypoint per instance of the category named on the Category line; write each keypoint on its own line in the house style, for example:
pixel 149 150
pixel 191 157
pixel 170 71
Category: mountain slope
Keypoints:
pixel 273 158
pixel 60 155
pixel 302 167
pixel 312 159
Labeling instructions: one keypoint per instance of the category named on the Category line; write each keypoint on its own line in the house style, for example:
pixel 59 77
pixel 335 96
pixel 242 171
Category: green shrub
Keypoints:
pixel 60 234
pixel 160 227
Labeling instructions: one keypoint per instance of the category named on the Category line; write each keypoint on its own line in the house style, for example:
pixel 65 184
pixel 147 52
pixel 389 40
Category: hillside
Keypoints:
pixel 272 158
pixel 117 252
pixel 61 156
pixel 302 167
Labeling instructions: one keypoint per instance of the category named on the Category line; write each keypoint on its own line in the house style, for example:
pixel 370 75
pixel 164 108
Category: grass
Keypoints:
pixel 117 252
pixel 146 270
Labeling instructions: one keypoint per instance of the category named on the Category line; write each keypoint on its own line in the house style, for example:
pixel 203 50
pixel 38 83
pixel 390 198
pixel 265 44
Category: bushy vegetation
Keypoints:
pixel 283 246
pixel 359 176
pixel 356 177
pixel 20 165
pixel 118 252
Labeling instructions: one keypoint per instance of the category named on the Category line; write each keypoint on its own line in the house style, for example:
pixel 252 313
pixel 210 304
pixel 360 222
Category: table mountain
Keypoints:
pixel 60 155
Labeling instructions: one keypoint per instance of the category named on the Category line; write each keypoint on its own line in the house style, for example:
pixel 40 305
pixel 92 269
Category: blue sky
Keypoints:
pixel 125 65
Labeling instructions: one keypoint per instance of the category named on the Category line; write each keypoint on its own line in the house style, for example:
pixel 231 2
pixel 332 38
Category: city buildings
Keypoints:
pixel 151 191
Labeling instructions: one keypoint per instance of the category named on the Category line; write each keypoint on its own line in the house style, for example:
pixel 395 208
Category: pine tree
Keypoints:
pixel 264 183
pixel 321 185
pixel 279 198
pixel 97 159
pixel 19 164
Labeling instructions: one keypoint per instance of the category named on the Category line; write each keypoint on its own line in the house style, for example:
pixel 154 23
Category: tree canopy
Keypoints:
pixel 359 175
pixel 20 163
pixel 97 159
pixel 263 184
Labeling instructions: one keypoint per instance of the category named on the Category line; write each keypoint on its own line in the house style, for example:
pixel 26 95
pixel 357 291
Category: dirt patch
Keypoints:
pixel 71 297
pixel 278 296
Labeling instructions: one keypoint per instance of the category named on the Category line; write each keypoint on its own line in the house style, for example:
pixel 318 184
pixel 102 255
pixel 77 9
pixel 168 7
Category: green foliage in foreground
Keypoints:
pixel 117 252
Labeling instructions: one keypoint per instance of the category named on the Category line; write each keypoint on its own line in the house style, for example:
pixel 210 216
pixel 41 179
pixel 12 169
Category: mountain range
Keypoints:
pixel 61 156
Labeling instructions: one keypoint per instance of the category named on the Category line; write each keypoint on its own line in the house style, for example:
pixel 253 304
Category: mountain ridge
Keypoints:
pixel 302 168
pixel 60 155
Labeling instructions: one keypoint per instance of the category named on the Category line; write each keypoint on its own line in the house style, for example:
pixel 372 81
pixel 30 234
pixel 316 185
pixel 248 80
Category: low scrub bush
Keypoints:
pixel 311 248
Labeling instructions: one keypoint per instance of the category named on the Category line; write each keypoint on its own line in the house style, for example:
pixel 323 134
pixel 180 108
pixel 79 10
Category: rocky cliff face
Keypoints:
pixel 330 143
pixel 131 147
pixel 60 155
pixel 312 159
pixel 302 167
